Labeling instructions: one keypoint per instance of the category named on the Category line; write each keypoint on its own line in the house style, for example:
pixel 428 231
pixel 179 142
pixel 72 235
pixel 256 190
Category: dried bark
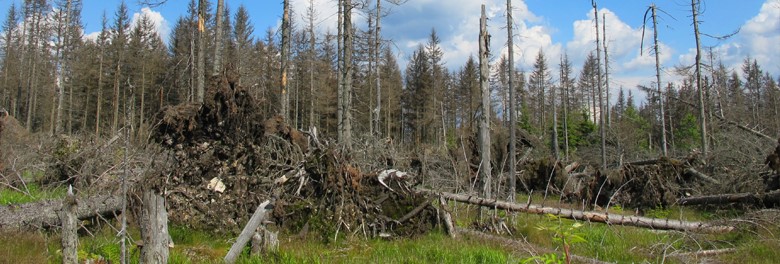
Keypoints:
pixel 613 219
pixel 249 230
pixel 44 214
pixel 748 198
pixel 154 228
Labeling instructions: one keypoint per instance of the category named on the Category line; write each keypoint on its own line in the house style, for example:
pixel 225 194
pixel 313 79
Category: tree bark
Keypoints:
pixel 658 82
pixel 70 237
pixel 218 39
pixel 613 219
pixel 512 107
pixel 348 70
pixel 602 131
pixel 154 228
pixel 749 198
pixel 201 82
pixel 44 214
pixel 377 56
pixel 484 128
pixel 340 70
pixel 700 88
pixel 285 54
pixel 246 234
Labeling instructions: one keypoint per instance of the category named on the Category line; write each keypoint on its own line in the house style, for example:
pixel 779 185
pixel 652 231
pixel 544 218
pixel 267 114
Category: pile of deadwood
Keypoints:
pixel 227 157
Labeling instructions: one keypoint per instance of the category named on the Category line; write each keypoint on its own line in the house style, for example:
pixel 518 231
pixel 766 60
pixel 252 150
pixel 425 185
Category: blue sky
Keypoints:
pixel 554 26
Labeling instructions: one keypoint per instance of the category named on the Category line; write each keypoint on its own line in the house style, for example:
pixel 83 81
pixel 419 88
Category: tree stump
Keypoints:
pixel 154 228
pixel 70 238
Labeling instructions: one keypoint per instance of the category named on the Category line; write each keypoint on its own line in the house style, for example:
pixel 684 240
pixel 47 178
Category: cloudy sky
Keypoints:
pixel 556 27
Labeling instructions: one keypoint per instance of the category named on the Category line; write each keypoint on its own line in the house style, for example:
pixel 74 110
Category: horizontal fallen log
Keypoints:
pixel 613 219
pixel 697 174
pixel 750 198
pixel 44 214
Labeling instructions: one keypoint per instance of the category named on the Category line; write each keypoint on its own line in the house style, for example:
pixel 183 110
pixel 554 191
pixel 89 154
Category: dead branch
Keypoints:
pixel 44 214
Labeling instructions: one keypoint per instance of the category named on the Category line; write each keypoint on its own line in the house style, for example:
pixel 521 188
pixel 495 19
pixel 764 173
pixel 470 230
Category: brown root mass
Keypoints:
pixel 315 184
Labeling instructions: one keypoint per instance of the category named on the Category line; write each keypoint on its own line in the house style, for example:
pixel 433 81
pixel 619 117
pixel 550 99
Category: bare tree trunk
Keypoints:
pixel 70 237
pixel 312 55
pixel 201 82
pixel 154 228
pixel 658 82
pixel 606 69
pixel 62 37
pixel 512 106
pixel 348 69
pixel 377 56
pixel 484 128
pixel 602 130
pixel 340 68
pixel 702 107
pixel 613 219
pixel 285 52
pixel 99 102
pixel 247 232
pixel 565 102
pixel 218 39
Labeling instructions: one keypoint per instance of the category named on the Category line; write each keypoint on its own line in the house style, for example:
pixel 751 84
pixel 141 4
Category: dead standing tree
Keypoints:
pixel 512 99
pixel 285 96
pixel 484 128
pixel 651 10
pixel 602 131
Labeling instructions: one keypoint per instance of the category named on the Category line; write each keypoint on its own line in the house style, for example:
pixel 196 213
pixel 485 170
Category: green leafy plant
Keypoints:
pixel 566 235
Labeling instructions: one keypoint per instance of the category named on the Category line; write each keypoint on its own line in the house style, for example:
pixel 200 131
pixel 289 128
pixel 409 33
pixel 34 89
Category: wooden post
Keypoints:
pixel 154 229
pixel 264 241
pixel 247 233
pixel 70 238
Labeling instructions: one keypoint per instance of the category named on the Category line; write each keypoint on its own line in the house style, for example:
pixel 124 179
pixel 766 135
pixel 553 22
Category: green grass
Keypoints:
pixel 430 248
pixel 36 193
pixel 619 244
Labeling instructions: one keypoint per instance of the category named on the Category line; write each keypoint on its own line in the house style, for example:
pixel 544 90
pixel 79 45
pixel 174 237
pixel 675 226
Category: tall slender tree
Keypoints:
pixel 484 128
pixel 218 39
pixel 602 131
pixel 286 31
pixel 512 104
pixel 702 113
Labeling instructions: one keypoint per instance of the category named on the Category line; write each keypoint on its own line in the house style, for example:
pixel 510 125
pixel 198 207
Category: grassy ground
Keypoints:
pixel 607 243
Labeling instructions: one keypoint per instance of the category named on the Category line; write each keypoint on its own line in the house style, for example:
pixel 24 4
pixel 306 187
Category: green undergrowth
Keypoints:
pixel 36 193
pixel 619 244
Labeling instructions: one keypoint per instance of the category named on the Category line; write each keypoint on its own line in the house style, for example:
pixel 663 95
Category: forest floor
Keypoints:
pixel 532 236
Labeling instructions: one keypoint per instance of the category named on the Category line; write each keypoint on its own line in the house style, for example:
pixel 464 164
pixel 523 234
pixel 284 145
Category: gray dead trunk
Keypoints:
pixel 154 228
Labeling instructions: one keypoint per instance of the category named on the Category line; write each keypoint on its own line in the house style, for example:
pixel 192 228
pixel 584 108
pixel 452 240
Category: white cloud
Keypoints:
pixel 758 38
pixel 159 22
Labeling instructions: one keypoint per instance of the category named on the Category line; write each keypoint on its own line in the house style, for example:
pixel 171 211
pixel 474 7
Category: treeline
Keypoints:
pixel 54 80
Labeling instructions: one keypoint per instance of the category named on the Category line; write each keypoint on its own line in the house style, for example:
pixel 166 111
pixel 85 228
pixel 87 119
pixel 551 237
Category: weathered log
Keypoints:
pixel 246 234
pixel 414 212
pixel 69 232
pixel 446 218
pixel 44 214
pixel 700 175
pixel 752 198
pixel 613 219
pixel 154 228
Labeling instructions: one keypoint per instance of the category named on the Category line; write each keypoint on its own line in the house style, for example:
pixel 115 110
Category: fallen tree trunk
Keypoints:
pixel 246 234
pixel 614 219
pixel 44 214
pixel 752 198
